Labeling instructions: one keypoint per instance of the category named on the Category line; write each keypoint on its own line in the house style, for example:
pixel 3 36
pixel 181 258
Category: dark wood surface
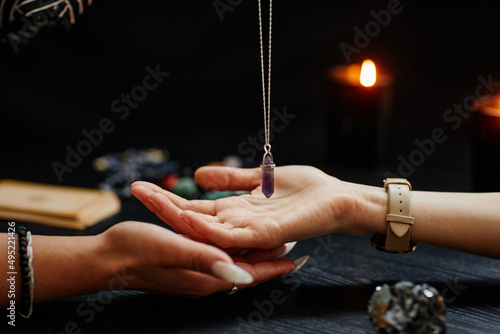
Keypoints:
pixel 329 295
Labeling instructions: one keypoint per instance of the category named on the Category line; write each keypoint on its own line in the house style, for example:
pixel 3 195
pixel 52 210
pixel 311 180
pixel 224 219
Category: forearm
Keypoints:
pixel 63 266
pixel 467 222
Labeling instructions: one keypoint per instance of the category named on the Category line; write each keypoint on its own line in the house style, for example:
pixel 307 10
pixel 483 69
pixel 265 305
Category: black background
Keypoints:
pixel 60 84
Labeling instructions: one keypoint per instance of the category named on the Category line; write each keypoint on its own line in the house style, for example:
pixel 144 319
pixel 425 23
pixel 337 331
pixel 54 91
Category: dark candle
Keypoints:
pixel 486 145
pixel 359 106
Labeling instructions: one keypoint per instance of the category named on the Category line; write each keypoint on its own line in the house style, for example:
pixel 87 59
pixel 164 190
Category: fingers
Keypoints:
pixel 242 231
pixel 224 235
pixel 228 178
pixel 144 190
pixel 257 255
pixel 235 251
pixel 180 266
pixel 155 200
pixel 189 283
pixel 189 254
pixel 163 207
pixel 201 221
pixel 265 270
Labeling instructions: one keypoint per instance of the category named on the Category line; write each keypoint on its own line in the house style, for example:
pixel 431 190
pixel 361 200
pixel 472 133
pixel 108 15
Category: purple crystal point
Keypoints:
pixel 267 175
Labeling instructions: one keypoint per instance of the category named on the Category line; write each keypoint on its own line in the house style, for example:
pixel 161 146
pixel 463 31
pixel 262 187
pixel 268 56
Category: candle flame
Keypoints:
pixel 490 107
pixel 368 75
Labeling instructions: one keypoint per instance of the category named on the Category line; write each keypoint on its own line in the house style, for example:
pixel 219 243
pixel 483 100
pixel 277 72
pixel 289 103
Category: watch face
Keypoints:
pixel 378 242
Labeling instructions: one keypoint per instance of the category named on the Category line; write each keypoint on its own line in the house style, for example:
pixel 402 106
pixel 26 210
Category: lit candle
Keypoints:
pixel 368 75
pixel 360 101
pixel 486 145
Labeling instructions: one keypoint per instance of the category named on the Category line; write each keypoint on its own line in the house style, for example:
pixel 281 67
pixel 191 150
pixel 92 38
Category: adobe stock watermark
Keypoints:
pixel 223 6
pixel 452 291
pixel 96 303
pixel 265 308
pixel 372 29
pixel 253 144
pixel 121 107
pixel 454 118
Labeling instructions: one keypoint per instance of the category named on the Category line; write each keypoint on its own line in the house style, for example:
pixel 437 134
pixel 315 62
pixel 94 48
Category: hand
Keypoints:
pixel 160 260
pixel 306 203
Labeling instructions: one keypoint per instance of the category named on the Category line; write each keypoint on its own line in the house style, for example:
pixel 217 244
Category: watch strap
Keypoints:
pixel 399 219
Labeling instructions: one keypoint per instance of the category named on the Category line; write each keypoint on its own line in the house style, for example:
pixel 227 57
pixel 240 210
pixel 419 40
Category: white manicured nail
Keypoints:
pixel 231 273
pixel 289 246
pixel 299 263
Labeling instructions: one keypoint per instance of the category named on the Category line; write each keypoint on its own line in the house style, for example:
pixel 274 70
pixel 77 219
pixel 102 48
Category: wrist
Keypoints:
pixel 119 260
pixel 67 266
pixel 370 210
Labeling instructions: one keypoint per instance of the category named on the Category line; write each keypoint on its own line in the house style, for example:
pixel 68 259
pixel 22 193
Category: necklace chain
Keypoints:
pixel 266 97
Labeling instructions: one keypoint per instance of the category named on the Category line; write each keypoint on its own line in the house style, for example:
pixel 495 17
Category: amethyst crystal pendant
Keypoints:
pixel 407 308
pixel 267 174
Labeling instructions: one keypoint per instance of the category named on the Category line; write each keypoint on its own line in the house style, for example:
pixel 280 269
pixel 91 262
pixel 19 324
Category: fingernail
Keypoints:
pixel 288 248
pixel 231 273
pixel 299 263
pixel 154 204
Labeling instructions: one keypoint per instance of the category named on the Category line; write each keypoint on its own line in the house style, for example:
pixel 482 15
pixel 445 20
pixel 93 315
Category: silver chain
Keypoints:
pixel 266 97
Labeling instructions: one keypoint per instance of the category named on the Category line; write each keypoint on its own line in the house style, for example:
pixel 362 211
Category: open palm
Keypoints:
pixel 306 203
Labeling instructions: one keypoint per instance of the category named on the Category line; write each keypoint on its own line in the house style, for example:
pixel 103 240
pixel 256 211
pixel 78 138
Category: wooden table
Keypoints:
pixel 329 295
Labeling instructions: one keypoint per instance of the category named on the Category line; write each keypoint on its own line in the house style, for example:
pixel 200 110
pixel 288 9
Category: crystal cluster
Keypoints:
pixel 407 308
pixel 121 169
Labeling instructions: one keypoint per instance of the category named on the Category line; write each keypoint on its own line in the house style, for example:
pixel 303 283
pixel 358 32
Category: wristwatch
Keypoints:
pixel 399 219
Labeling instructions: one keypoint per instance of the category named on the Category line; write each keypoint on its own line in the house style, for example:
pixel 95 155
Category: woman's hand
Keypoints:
pixel 162 261
pixel 145 257
pixel 306 203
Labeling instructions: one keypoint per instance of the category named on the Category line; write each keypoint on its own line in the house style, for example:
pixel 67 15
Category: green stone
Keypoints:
pixel 213 194
pixel 186 187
